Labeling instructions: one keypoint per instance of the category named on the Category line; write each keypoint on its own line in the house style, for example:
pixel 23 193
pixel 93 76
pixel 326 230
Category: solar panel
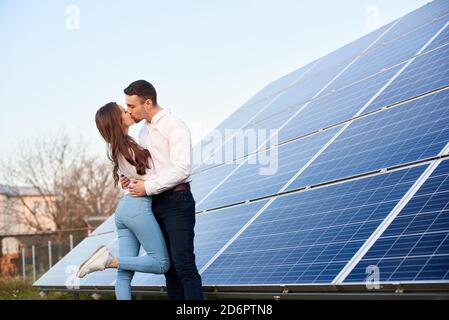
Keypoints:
pixel 302 91
pixel 62 274
pixel 201 183
pixel 249 111
pixel 308 237
pixel 274 88
pixel 212 231
pixel 430 71
pixel 344 55
pixel 236 120
pixel 340 57
pixel 331 108
pixel 413 131
pixel 359 175
pixel 379 59
pixel 417 18
pixel 415 247
pixel 105 227
pixel 391 53
pixel 249 181
pixel 335 107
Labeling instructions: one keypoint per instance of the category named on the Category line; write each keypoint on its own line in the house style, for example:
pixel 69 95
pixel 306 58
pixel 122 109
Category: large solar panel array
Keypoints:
pixel 362 175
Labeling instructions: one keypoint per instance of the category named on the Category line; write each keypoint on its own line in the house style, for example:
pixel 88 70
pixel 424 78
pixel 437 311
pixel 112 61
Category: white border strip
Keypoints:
pixel 388 220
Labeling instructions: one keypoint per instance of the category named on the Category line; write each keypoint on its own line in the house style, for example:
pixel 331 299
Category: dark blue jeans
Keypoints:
pixel 175 213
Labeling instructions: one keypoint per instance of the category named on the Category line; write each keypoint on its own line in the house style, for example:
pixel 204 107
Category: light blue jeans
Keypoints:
pixel 136 226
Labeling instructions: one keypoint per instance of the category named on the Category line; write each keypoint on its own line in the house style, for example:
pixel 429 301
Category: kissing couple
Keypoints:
pixel 157 210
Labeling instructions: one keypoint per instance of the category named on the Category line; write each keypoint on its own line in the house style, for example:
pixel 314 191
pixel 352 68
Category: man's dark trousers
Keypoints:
pixel 175 213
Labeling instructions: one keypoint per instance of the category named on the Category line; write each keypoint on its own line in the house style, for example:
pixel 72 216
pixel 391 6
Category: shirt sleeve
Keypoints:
pixel 178 170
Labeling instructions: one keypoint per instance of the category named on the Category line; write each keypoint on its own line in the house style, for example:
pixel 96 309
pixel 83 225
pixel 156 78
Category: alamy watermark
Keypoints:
pixel 372 280
pixel 72 281
pixel 72 20
pixel 373 17
pixel 252 146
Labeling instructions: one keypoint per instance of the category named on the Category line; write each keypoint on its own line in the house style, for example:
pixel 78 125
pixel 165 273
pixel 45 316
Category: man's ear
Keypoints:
pixel 148 104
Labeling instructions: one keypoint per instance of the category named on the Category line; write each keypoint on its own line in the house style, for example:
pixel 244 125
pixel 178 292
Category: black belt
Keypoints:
pixel 181 186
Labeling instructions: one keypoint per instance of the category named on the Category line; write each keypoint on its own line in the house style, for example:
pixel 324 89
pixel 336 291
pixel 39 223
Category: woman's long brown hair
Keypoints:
pixel 109 122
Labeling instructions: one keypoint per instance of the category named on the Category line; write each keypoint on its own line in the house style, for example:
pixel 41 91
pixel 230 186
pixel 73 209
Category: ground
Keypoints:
pixel 16 289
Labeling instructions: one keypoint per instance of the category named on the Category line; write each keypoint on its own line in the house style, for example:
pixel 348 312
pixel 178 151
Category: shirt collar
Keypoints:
pixel 158 116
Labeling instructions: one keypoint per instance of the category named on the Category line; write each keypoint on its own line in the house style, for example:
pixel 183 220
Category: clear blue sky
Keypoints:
pixel 206 58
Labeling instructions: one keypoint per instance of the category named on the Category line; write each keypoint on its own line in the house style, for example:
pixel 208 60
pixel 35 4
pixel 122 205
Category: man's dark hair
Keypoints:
pixel 143 89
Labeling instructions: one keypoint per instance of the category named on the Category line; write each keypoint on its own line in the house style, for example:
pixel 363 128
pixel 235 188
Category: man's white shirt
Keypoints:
pixel 168 140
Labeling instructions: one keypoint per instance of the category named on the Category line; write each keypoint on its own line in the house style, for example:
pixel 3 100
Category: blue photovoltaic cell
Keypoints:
pixel 292 98
pixel 277 86
pixel 415 247
pixel 202 181
pixel 344 55
pixel 428 72
pixel 212 231
pixel 235 146
pixel 416 130
pixel 240 144
pixel 63 273
pixel 241 116
pixel 253 137
pixel 339 57
pixel 323 71
pixel 300 92
pixel 390 54
pixel 276 120
pixel 267 173
pixel 308 237
pixel 238 119
pixel 418 18
pixel 335 107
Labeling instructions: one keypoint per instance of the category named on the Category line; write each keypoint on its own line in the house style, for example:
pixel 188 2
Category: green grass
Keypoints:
pixel 16 289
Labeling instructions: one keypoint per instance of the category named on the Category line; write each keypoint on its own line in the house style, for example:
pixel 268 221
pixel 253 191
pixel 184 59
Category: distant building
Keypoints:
pixel 17 205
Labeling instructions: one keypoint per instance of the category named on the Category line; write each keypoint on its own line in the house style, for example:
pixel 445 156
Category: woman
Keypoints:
pixel 134 219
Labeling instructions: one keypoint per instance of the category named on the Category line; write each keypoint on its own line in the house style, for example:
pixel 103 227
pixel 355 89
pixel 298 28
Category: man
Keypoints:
pixel 168 140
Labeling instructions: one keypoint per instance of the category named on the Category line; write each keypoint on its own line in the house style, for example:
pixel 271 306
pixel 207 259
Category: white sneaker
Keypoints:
pixel 96 262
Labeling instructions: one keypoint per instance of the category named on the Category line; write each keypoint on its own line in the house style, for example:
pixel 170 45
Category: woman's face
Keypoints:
pixel 127 120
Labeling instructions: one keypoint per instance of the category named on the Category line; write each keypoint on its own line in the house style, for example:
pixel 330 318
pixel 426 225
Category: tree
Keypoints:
pixel 70 183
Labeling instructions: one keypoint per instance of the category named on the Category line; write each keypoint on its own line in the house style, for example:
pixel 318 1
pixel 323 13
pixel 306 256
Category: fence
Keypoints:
pixel 36 254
